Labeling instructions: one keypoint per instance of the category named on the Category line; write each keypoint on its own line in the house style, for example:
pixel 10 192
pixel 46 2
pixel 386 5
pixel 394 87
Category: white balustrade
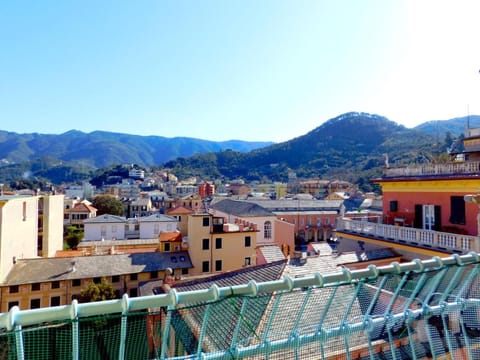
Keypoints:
pixel 415 237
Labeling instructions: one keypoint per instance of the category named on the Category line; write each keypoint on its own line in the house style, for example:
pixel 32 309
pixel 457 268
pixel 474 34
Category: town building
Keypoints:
pixel 244 213
pixel 141 206
pixel 181 214
pixel 113 227
pixel 43 282
pixel 206 190
pixel 80 211
pixel 429 209
pixel 215 245
pixel 30 227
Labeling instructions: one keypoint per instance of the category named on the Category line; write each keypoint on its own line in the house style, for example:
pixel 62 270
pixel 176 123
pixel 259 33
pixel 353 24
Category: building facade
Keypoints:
pixel 216 246
pixel 30 226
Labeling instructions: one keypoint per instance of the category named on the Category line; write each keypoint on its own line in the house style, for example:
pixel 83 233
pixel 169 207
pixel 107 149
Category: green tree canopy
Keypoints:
pixel 72 237
pixel 97 292
pixel 106 204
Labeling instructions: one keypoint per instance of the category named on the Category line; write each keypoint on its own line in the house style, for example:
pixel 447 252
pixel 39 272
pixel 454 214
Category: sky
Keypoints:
pixel 253 70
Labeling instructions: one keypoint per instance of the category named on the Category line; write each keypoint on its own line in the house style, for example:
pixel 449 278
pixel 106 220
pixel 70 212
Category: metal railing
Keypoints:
pixel 417 309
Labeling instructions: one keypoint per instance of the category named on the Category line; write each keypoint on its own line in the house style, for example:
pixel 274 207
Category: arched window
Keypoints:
pixel 267 230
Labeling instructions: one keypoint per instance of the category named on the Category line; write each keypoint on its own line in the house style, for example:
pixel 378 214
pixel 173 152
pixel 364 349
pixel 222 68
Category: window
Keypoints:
pixel 267 230
pixel 428 217
pixel 103 230
pixel 13 289
pixel 248 241
pixel 166 247
pixel 205 244
pixel 97 280
pixel 206 221
pixel 457 210
pixel 55 284
pixel 76 282
pixel 248 261
pixel 134 277
pixel 206 266
pixel 218 243
pixel 36 287
pixel 34 303
pixel 115 278
pixel 156 229
pixel 12 304
pixel 114 228
pixel 184 271
pixel 218 265
pixel 393 205
pixel 133 292
pixel 153 274
pixel 24 210
pixel 55 301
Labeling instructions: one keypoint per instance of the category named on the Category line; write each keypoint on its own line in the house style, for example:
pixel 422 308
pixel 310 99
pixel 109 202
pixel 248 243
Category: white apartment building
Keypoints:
pixel 112 227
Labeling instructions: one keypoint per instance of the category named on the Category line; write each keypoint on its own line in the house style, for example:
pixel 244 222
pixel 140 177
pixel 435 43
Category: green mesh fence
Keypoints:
pixel 415 311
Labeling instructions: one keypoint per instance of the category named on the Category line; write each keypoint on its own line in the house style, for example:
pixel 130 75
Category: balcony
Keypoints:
pixel 453 243
pixel 466 168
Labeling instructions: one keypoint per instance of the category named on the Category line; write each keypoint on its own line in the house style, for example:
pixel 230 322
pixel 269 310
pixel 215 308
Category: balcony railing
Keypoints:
pixel 451 168
pixel 454 243
pixel 416 310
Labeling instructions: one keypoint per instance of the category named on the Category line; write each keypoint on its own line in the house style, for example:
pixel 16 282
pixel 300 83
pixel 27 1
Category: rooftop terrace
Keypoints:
pixel 458 169
pixel 411 310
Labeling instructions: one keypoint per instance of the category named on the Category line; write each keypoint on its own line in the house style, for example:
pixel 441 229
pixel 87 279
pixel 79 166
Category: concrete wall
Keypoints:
pixel 18 231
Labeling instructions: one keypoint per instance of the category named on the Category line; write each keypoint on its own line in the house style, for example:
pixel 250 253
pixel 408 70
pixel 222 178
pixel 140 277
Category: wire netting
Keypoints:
pixel 410 315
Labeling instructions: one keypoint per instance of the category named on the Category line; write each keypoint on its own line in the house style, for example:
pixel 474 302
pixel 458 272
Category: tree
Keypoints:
pixel 72 237
pixel 97 291
pixel 106 204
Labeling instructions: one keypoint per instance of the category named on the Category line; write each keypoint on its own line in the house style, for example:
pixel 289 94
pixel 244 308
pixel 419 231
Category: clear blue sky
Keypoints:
pixel 267 70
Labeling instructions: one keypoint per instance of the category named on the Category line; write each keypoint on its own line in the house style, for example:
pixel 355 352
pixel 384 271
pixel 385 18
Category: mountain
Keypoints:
pixel 455 126
pixel 101 149
pixel 352 147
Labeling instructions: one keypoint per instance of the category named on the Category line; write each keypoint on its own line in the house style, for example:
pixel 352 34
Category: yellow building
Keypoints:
pixel 216 246
pixel 43 282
